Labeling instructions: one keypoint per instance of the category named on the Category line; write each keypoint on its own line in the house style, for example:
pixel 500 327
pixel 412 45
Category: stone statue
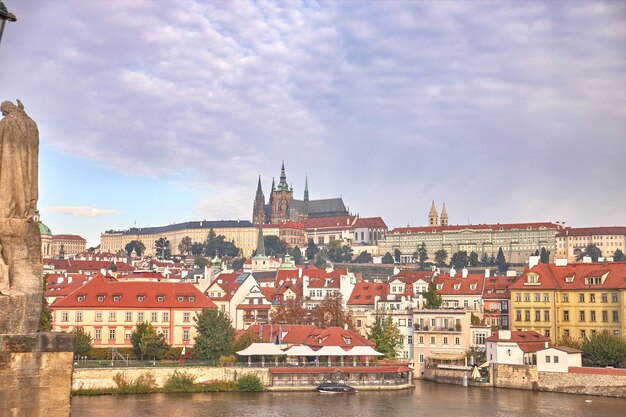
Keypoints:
pixel 20 240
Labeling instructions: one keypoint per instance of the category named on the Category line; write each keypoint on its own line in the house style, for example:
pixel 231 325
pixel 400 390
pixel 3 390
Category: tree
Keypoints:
pixel 290 312
pixel 472 259
pixel 237 263
pixel 592 251
pixel 618 255
pixel 197 248
pixel 336 252
pixel 331 313
pixel 83 342
pixel 604 349
pixel 544 256
pixel 244 340
pixel 162 247
pixel 459 260
pixel 484 259
pixel 218 245
pixel 475 320
pixel 135 245
pixel 274 246
pixel 311 250
pixel 387 336
pixel 441 256
pixel 201 262
pixel 364 258
pixel 113 267
pixel 387 259
pixel 185 245
pixel 135 338
pixel 45 316
pixel 433 299
pixel 503 266
pixel 396 255
pixel 421 255
pixel 296 254
pixel 215 334
pixel 153 344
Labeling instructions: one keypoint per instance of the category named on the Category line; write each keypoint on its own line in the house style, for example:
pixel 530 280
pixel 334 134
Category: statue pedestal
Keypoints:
pixel 36 374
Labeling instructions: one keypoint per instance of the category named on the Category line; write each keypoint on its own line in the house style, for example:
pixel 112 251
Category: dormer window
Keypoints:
pixel 80 298
pixel 532 278
pixel 439 286
pixel 472 286
pixel 140 298
pixel 569 279
pixel 117 297
pixel 100 298
pixel 457 286
pixel 593 281
pixel 181 299
pixel 160 298
pixel 192 299
pixel 347 340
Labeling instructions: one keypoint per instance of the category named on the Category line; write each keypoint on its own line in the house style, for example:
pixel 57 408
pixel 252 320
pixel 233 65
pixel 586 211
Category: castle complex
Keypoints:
pixel 283 207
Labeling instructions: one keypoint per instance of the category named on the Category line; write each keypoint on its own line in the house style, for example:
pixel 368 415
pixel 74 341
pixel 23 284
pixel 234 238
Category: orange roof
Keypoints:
pixel 107 292
pixel 521 336
pixel 60 285
pixel 367 222
pixel 592 231
pixel 472 285
pixel 497 287
pixel 68 237
pixel 332 223
pixel 85 266
pixel 364 293
pixel 574 276
pixel 495 227
pixel 409 277
pixel 226 282
pixel 336 336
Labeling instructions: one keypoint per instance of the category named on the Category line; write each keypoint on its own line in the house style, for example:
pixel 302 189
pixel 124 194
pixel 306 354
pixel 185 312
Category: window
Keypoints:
pixel 592 298
pixel 547 358
pixel 581 298
pixel 166 334
pixel 605 316
pixel 546 333
pixel 166 316
pixel 518 296
pixel 160 298
pixel 185 334
pixel 65 316
pixel 127 335
pixel 100 298
pixel 98 316
pixel 79 316
pixel 140 298
pixel 113 316
pixel 592 315
pixel 97 334
pixel 537 315
pixel 154 316
pixel 556 359
pixel 614 297
pixel 583 334
pixel 192 299
pixel 527 315
pixel 129 316
pixel 117 297
pixel 112 334
pixel 537 297
pixel 181 299
pixel 409 322
pixel 81 298
pixel 432 340
pixel 527 297
pixel 604 297
pixel 480 338
pixel 565 315
pixel 445 340
pixel 410 340
pixel 421 358
pixel 546 297
pixel 186 317
pixel 615 316
pixel 546 315
pixel 457 340
pixel 359 323
pixel 140 316
pixel 565 297
pixel 582 316
pixel 421 340
pixel 566 332
pixel 518 315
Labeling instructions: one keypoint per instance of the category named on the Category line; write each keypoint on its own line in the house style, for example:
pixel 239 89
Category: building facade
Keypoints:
pixel 68 245
pixel 571 242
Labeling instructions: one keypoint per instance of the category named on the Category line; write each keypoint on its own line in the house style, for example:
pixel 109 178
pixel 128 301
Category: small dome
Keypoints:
pixel 44 230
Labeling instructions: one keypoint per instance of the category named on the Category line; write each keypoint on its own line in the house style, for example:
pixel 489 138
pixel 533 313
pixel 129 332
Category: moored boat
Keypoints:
pixel 336 388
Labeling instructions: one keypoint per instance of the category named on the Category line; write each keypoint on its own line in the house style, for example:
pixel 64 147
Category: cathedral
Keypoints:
pixel 282 206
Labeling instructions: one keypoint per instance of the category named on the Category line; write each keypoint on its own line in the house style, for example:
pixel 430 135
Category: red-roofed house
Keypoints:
pixel 109 310
pixel 228 290
pixel 317 284
pixel 496 301
pixel 363 303
pixel 369 230
pixel 462 291
pixel 88 267
pixel 515 347
pixel 327 229
pixel 571 242
pixel 60 285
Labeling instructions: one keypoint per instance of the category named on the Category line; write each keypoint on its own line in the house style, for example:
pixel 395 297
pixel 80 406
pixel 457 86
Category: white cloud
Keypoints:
pixel 82 211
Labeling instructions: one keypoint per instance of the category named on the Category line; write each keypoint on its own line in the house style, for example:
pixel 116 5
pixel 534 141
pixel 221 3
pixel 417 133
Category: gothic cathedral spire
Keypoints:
pixel 258 212
pixel 306 188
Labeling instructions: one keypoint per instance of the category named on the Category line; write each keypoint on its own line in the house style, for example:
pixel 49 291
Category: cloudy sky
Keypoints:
pixel 154 112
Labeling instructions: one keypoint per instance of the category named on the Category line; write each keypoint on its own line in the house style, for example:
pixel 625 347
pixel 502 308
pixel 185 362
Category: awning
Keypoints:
pixel 331 351
pixel 364 351
pixel 446 356
pixel 261 349
pixel 300 351
pixel 484 365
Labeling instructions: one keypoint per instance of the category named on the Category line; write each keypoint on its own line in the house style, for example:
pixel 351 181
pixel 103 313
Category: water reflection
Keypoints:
pixel 427 399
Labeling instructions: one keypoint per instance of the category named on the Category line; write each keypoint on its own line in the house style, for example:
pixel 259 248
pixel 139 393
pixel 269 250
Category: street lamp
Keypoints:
pixel 5 16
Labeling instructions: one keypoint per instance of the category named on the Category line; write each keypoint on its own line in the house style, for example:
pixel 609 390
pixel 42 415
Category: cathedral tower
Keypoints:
pixel 433 217
pixel 281 198
pixel 444 216
pixel 258 212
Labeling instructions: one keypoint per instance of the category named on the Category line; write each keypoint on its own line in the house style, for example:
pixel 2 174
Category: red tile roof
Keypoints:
pixel 472 285
pixel 129 294
pixel 573 276
pixel 60 285
pixel 72 266
pixel 592 231
pixel 336 336
pixel 226 282
pixel 370 222
pixel 494 227
pixel 68 237
pixel 525 336
pixel 331 223
pixel 331 370
pixel 409 277
pixel 364 293
pixel 497 288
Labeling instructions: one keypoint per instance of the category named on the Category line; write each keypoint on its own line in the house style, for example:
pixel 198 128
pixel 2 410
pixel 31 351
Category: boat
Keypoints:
pixel 336 388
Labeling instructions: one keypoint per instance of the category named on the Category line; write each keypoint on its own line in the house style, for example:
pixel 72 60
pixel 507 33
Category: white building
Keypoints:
pixel 515 347
pixel 558 359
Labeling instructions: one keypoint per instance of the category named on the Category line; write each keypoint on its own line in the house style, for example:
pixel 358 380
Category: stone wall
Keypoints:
pixel 451 376
pixel 36 375
pixel 515 376
pixel 102 378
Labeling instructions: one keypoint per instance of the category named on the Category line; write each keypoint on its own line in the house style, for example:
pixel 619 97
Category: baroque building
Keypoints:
pixel 283 207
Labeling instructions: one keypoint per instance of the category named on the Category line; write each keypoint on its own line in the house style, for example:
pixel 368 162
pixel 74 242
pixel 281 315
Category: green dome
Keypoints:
pixel 45 230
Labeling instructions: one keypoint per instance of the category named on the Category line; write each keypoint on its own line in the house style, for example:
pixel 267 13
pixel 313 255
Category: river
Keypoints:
pixel 427 399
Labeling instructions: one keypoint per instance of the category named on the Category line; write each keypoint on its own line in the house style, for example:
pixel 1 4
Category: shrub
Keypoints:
pixel 215 386
pixel 249 383
pixel 144 384
pixel 179 382
pixel 227 360
pixel 604 349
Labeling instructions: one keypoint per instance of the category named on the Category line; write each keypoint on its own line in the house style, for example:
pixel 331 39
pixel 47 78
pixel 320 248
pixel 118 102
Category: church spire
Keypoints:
pixel 444 216
pixel 433 217
pixel 282 185
pixel 306 188
pixel 258 187
pixel 258 210
pixel 260 244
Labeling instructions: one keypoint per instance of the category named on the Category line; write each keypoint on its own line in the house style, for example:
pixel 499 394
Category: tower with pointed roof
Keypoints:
pixel 260 243
pixel 433 217
pixel 281 199
pixel 444 216
pixel 258 212
pixel 306 188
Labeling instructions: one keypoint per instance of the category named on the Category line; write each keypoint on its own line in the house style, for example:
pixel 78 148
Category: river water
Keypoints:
pixel 427 399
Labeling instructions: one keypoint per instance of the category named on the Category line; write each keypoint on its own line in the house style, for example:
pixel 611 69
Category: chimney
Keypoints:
pixel 586 259
pixel 452 272
pixel 487 272
pixel 464 272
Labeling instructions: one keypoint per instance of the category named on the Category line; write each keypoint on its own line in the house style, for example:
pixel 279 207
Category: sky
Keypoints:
pixel 156 112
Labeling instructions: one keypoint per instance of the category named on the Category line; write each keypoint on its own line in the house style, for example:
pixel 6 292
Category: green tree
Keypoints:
pixel 311 250
pixel 215 334
pixel 604 349
pixel 331 313
pixel 503 266
pixel 618 255
pixel 162 248
pixel 592 251
pixel 217 244
pixel 459 260
pixel 475 320
pixel 387 259
pixel 45 316
pixel 135 338
pixel 336 252
pixel 83 342
pixel 153 344
pixel 484 259
pixel 201 262
pixel 433 299
pixel 544 256
pixel 185 245
pixel 274 246
pixel 135 245
pixel 244 340
pixel 296 254
pixel 472 259
pixel 237 263
pixel 197 248
pixel 386 335
pixel 421 255
pixel 441 256
pixel 290 312
pixel 396 255
pixel 363 258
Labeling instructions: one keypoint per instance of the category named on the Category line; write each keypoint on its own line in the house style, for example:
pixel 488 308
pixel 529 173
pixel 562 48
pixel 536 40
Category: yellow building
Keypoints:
pixel 242 232
pixel 571 242
pixel 109 310
pixel 570 300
